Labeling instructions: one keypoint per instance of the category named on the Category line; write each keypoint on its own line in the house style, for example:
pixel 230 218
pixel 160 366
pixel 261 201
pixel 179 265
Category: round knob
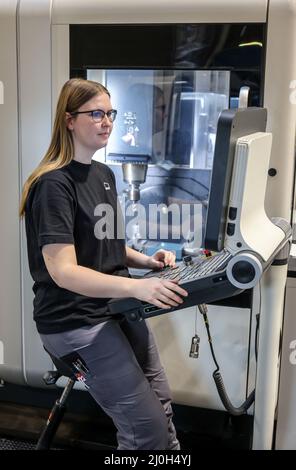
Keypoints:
pixel 244 270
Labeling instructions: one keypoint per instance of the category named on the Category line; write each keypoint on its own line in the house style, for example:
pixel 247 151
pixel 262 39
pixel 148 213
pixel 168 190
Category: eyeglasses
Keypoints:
pixel 98 114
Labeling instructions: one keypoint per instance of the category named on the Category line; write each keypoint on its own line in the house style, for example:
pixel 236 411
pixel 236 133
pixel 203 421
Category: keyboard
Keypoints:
pixel 204 279
pixel 196 269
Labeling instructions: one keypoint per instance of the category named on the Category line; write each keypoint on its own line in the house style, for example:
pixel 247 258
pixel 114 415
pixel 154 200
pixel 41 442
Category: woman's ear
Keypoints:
pixel 69 121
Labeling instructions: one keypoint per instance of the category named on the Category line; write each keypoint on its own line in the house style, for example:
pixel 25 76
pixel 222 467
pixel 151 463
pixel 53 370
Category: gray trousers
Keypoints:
pixel 126 378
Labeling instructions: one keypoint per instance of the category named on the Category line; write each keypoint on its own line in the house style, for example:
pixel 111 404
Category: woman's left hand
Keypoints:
pixel 162 258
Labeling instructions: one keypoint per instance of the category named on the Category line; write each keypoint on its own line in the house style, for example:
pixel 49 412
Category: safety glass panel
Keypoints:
pixel 167 116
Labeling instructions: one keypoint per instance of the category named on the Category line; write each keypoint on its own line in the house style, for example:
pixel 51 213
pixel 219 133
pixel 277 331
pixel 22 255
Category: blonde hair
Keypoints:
pixel 74 94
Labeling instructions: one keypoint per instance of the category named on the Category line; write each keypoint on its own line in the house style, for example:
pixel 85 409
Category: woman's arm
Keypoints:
pixel 159 260
pixel 61 263
pixel 136 259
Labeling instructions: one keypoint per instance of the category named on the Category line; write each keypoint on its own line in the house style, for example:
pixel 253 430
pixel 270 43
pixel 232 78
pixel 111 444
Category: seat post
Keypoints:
pixel 57 412
pixel 55 417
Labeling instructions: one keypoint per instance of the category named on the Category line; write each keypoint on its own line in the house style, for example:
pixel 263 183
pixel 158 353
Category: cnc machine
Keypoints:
pixel 172 69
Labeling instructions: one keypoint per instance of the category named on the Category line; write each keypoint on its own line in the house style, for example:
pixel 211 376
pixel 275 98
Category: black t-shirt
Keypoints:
pixel 76 204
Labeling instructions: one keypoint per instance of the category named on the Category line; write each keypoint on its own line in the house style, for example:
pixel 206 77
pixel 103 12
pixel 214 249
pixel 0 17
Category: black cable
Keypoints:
pixel 256 335
pixel 257 323
pixel 250 341
pixel 234 411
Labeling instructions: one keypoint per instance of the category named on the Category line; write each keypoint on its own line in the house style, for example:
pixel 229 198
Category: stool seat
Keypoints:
pixel 62 368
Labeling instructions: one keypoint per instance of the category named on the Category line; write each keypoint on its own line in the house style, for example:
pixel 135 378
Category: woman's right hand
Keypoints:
pixel 160 292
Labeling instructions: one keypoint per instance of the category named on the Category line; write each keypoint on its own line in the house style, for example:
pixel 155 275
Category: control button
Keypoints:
pixel 207 253
pixel 230 229
pixel 232 213
pixel 187 260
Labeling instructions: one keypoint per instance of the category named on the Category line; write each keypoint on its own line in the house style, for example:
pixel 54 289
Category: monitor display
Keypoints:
pixel 232 124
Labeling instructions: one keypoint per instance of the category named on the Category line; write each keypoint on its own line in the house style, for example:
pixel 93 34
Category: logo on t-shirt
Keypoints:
pixel 106 186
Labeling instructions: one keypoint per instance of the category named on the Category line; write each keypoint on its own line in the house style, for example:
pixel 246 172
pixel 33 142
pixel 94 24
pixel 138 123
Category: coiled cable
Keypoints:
pixel 234 411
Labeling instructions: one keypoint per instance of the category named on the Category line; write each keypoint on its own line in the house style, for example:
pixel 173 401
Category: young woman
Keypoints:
pixel 75 273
